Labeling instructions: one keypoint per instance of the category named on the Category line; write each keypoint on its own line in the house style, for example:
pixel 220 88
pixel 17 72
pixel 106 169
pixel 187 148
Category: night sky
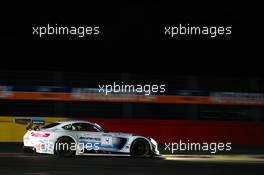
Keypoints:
pixel 132 37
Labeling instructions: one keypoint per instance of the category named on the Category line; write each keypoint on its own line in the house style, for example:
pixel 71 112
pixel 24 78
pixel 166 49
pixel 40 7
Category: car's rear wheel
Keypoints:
pixel 140 148
pixel 64 147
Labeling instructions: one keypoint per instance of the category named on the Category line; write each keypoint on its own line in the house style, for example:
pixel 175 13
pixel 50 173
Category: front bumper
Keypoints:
pixel 154 147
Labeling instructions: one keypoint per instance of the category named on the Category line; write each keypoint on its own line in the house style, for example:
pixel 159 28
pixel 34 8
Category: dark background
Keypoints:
pixel 241 84
pixel 132 48
pixel 132 39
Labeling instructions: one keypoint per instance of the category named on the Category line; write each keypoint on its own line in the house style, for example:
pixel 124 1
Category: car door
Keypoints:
pixel 92 139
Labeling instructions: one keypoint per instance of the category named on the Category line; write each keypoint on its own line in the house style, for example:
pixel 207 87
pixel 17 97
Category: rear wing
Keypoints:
pixel 33 123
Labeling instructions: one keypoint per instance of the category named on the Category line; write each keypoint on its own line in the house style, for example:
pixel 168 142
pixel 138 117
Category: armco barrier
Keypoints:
pixel 236 132
pixel 164 131
pixel 11 132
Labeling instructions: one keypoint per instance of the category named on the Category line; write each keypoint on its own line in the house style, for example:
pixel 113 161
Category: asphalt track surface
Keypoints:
pixel 19 163
pixel 13 161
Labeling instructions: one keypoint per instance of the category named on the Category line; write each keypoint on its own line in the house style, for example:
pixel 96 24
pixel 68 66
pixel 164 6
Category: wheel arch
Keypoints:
pixel 70 136
pixel 62 136
pixel 141 137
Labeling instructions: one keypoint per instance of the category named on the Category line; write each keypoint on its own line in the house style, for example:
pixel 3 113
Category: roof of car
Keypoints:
pixel 74 121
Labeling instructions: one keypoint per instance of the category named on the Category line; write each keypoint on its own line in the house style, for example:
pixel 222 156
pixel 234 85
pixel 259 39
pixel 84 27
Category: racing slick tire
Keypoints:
pixel 140 148
pixel 63 147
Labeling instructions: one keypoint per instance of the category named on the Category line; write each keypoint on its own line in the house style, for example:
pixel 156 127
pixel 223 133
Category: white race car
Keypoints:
pixel 69 138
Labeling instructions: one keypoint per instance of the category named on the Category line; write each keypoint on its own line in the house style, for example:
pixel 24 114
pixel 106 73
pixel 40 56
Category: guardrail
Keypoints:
pixel 164 131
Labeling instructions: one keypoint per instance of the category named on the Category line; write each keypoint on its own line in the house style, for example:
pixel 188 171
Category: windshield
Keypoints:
pixel 99 127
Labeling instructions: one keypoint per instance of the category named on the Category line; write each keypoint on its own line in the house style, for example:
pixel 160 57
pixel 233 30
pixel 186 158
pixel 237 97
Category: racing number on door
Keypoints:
pixel 107 140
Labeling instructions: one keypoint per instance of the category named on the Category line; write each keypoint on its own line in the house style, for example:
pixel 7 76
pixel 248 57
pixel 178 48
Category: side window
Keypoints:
pixel 68 127
pixel 85 127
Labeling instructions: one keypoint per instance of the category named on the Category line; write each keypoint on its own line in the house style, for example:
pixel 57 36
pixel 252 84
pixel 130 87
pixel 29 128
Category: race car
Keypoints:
pixel 70 138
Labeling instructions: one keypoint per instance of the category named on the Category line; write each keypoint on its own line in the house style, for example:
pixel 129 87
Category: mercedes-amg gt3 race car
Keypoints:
pixel 69 138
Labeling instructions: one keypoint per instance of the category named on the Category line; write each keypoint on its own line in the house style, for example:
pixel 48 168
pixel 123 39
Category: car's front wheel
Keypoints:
pixel 140 148
pixel 64 147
